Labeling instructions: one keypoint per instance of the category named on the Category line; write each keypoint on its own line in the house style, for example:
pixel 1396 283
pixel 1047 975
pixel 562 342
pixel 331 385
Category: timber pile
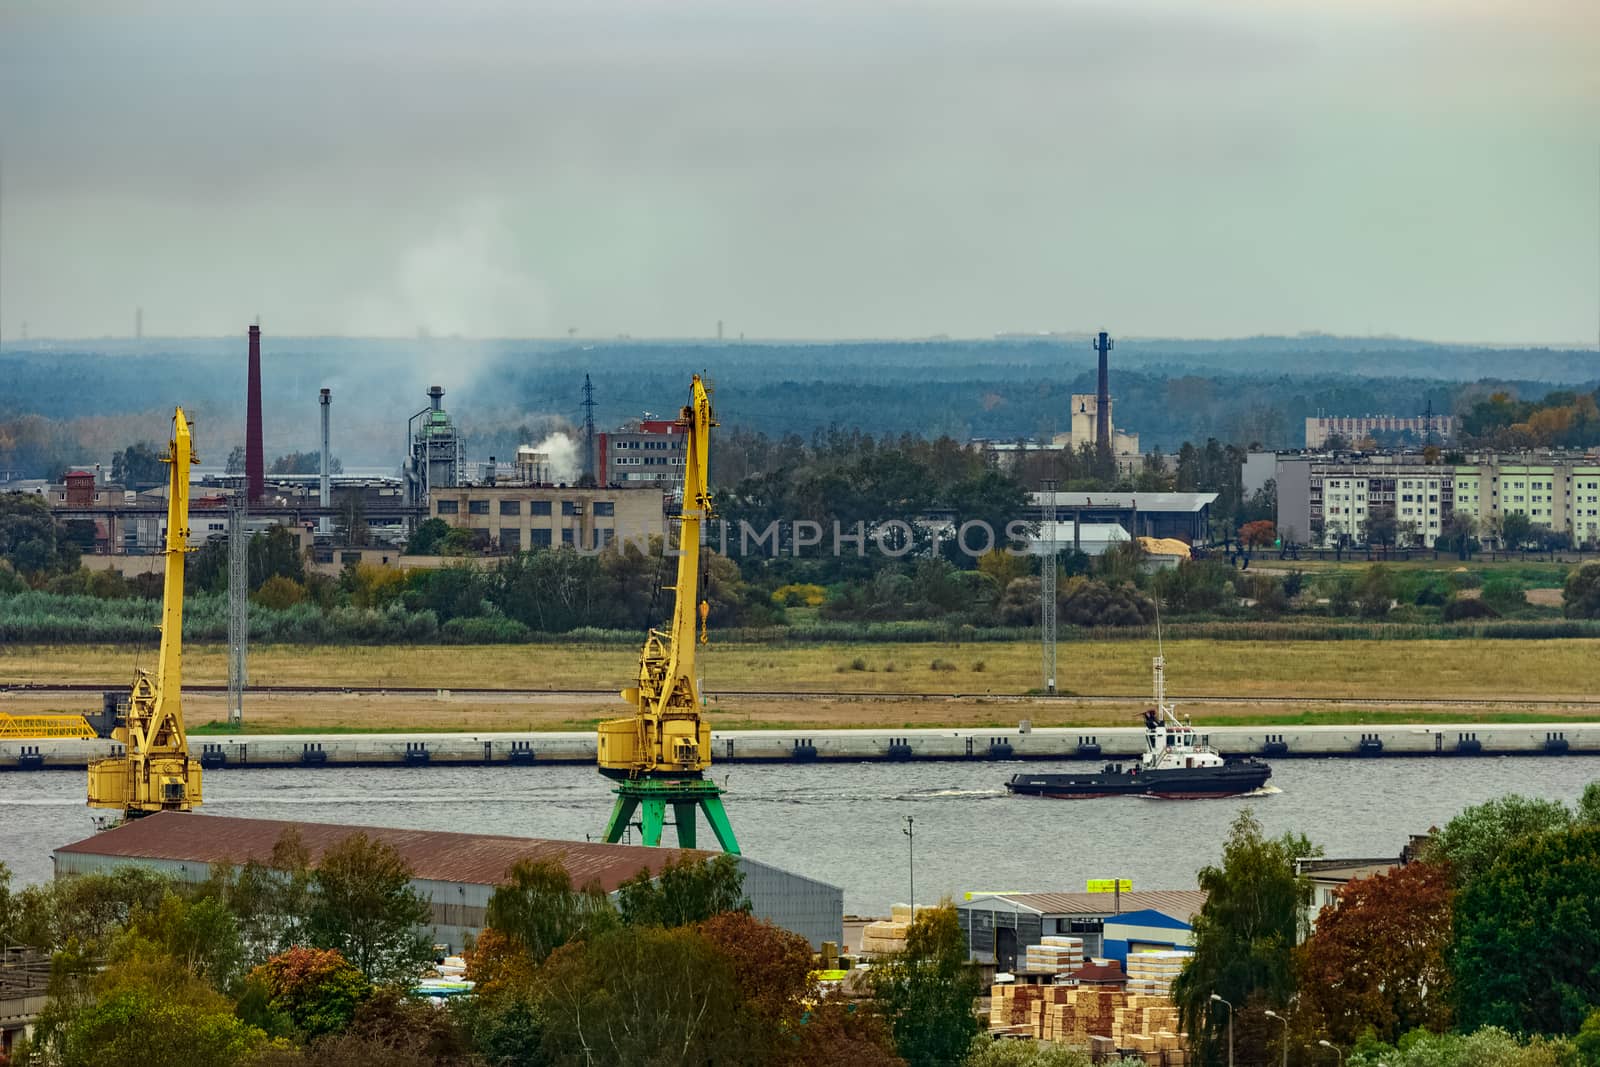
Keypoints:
pixel 1099 1018
pixel 1152 973
pixel 1055 955
pixel 889 935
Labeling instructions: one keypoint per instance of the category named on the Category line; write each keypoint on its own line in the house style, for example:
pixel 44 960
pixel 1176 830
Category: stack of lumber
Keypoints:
pixel 1151 973
pixel 1143 1016
pixel 889 935
pixel 1055 955
pixel 1066 1014
pixel 1012 1005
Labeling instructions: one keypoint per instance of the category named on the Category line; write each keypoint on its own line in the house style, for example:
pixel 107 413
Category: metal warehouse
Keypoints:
pixel 455 872
pixel 1000 927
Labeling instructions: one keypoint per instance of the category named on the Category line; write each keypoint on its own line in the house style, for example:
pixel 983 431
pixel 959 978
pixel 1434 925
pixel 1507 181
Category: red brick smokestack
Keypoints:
pixel 255 471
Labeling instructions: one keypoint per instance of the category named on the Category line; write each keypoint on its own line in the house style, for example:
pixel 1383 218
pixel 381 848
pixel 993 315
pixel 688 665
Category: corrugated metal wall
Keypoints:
pixel 812 909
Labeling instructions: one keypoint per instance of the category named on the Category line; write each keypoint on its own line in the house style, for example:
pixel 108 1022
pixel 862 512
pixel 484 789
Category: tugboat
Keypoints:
pixel 1177 763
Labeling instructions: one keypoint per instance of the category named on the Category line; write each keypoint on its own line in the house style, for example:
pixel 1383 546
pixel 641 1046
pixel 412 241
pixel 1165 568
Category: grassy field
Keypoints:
pixel 901 685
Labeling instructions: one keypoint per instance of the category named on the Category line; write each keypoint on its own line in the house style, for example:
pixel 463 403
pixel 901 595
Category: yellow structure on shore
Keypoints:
pixel 155 772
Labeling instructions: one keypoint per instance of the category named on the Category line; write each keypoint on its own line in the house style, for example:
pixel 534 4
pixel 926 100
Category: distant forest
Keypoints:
pixel 79 402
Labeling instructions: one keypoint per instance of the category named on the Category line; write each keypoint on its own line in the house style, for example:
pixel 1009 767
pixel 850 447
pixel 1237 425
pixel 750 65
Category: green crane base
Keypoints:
pixel 685 795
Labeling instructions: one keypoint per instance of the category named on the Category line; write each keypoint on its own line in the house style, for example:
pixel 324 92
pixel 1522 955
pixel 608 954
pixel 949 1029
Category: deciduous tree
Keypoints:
pixel 1527 935
pixel 687 890
pixel 1245 934
pixel 1471 842
pixel 364 906
pixel 642 995
pixel 318 990
pixel 538 908
pixel 1378 961
pixel 927 991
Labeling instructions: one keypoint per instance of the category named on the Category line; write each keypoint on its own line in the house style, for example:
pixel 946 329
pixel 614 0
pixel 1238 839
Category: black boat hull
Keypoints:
pixel 1234 778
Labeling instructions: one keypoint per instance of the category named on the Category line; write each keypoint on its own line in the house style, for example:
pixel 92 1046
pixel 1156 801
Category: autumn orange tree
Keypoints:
pixel 1259 534
pixel 1378 962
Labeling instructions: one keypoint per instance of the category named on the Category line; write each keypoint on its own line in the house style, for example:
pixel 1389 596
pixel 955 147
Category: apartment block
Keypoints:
pixel 1324 501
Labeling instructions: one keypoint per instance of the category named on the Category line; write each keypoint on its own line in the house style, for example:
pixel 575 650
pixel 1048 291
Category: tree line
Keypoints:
pixel 1478 949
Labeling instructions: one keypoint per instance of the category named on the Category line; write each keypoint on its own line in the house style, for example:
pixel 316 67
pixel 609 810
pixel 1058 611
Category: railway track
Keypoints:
pixel 64 688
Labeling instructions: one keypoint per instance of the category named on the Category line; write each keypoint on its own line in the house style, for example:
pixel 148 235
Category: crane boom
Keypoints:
pixel 661 752
pixel 155 773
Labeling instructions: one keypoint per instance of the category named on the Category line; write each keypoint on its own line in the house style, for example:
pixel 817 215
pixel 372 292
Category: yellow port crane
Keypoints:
pixel 660 753
pixel 49 726
pixel 155 772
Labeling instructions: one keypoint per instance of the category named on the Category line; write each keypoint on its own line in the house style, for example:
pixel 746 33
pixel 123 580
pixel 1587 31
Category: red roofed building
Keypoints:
pixel 455 872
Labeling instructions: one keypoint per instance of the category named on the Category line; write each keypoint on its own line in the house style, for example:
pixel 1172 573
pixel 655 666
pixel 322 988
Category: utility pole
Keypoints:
pixel 1047 586
pixel 911 861
pixel 1220 1000
pixel 238 605
pixel 588 432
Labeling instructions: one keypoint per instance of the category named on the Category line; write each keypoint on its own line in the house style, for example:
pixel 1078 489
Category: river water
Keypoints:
pixel 842 823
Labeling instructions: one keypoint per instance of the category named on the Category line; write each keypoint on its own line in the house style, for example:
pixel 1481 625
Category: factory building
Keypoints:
pixel 999 927
pixel 1413 429
pixel 522 518
pixel 1182 517
pixel 434 458
pixel 455 872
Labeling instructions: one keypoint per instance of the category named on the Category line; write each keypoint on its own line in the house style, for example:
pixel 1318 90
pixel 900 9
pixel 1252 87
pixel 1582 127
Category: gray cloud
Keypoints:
pixel 823 169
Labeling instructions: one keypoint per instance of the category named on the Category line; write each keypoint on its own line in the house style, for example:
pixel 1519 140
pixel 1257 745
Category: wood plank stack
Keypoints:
pixel 1143 1016
pixel 1054 955
pixel 1101 1018
pixel 889 935
pixel 1152 973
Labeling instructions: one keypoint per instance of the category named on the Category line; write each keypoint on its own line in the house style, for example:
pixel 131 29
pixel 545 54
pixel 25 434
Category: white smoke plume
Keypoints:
pixel 566 461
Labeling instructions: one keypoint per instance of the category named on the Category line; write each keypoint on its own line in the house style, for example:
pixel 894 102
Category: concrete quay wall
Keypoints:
pixel 772 746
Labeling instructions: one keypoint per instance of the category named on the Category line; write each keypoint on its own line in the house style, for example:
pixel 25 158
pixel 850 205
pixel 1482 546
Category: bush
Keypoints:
pixel 797 595
pixel 1504 594
pixel 1580 597
pixel 1460 609
pixel 279 593
pixel 1093 603
pixel 941 665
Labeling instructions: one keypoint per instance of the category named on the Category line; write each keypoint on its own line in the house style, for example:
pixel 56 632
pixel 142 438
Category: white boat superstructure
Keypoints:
pixel 1169 742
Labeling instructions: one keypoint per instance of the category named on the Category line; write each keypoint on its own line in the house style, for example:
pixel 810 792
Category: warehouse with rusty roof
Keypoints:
pixel 454 872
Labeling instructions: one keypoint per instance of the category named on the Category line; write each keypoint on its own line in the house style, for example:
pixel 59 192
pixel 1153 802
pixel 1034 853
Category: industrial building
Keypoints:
pixel 520 518
pixel 455 872
pixel 434 451
pixel 1428 429
pixel 999 927
pixel 1325 501
pixel 1182 517
pixel 643 452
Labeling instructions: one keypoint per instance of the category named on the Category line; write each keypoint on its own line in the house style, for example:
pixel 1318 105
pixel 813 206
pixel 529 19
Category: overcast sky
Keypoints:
pixel 823 169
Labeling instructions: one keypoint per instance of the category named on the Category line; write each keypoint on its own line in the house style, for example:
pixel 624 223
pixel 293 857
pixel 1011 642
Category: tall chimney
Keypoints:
pixel 436 397
pixel 255 478
pixel 1102 409
pixel 324 524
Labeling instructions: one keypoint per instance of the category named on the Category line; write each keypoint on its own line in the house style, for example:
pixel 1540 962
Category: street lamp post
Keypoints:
pixel 1327 1044
pixel 911 862
pixel 1274 1015
pixel 1219 1000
